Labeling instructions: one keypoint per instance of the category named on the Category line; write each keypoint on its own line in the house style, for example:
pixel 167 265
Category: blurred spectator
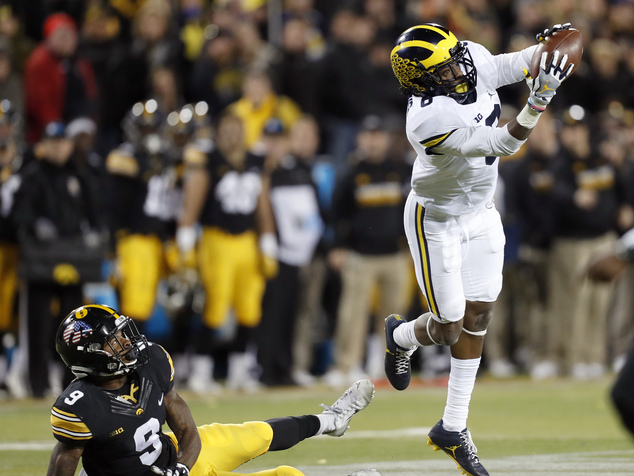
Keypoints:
pixel 226 192
pixel 255 53
pixel 119 74
pixel 296 74
pixel 55 202
pixel 13 37
pixel 384 15
pixel 193 22
pixel 299 226
pixel 165 90
pixel 370 249
pixel 11 87
pixel 586 199
pixel 69 90
pixel 517 330
pixel 345 69
pixel 216 77
pixel 155 41
pixel 259 103
pixel 10 181
pixel 379 84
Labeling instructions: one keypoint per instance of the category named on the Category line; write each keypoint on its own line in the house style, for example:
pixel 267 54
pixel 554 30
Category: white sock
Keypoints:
pixel 461 382
pixel 404 335
pixel 326 422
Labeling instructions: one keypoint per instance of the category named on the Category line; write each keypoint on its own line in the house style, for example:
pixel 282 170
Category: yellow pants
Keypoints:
pixel 225 447
pixel 140 261
pixel 231 275
pixel 8 283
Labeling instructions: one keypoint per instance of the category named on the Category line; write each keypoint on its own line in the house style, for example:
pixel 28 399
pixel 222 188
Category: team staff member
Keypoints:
pixel 54 201
pixel 605 269
pixel 10 180
pixel 112 415
pixel 227 192
pixel 370 248
pixel 142 188
pixel 299 225
pixel 454 231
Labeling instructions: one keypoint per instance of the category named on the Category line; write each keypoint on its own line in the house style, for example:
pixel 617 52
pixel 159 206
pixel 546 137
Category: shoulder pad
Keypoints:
pixel 121 163
pixel 194 156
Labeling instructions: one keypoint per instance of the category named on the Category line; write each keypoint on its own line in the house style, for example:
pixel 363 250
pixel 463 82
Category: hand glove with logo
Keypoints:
pixel 551 75
pixel 179 469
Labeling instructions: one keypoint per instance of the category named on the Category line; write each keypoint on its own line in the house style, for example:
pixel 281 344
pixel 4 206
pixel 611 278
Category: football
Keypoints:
pixel 568 42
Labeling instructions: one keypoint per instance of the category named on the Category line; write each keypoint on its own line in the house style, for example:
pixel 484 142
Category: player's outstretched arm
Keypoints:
pixel 64 460
pixel 181 422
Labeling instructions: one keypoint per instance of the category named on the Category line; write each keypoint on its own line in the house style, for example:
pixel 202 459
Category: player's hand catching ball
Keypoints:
pixel 551 74
pixel 179 469
pixel 542 37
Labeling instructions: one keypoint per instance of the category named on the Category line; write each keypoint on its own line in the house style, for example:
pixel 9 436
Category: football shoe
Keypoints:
pixel 459 446
pixel 353 400
pixel 398 367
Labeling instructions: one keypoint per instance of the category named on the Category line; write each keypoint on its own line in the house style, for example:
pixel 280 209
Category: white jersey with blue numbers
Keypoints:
pixel 458 145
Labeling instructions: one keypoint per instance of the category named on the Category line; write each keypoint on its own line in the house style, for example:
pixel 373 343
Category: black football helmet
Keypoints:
pixel 422 52
pixel 96 340
pixel 143 126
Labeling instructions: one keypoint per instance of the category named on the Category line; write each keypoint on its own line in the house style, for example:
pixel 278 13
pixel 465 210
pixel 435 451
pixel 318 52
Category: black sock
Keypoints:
pixel 288 431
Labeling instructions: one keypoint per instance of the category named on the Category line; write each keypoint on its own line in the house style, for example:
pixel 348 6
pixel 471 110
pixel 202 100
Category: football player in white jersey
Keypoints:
pixel 454 231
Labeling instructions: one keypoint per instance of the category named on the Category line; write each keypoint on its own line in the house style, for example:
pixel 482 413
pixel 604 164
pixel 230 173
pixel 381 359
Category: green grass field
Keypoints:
pixel 519 426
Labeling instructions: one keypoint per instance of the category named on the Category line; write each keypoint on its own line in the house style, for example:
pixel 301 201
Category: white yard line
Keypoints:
pixel 582 463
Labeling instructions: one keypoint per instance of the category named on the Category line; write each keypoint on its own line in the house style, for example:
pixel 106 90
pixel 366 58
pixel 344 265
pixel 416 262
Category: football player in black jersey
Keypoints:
pixel 111 416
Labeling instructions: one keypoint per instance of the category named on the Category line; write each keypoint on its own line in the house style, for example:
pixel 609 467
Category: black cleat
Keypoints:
pixel 397 365
pixel 459 446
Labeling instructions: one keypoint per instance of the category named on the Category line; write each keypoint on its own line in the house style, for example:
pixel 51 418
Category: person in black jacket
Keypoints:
pixel 55 202
pixel 586 199
pixel 370 248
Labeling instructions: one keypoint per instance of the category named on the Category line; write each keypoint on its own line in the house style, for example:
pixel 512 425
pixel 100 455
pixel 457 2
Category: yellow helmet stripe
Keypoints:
pixel 105 308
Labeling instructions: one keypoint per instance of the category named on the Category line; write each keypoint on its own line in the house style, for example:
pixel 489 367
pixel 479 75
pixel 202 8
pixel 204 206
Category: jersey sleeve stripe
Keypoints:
pixel 72 435
pixel 169 359
pixel 436 140
pixel 65 415
pixel 75 427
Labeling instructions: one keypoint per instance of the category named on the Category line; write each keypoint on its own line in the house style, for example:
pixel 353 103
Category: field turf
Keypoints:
pixel 519 426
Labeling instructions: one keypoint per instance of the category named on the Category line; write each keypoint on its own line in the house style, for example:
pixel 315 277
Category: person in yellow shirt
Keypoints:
pixel 259 103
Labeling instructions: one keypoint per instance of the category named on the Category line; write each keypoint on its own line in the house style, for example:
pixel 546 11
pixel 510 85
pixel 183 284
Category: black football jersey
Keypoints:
pixel 144 191
pixel 233 196
pixel 121 429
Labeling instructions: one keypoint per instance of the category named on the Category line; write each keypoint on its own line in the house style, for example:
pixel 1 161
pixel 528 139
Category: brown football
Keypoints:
pixel 568 42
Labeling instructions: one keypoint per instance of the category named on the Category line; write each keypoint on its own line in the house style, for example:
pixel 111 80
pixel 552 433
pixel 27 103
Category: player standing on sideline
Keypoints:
pixel 605 269
pixel 111 415
pixel 454 231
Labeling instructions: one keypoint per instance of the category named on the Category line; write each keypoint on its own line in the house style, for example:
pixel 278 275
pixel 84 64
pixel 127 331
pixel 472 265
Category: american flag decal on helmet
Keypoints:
pixel 76 331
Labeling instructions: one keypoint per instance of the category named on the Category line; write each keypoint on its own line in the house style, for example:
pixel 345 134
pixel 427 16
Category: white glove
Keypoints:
pixel 186 237
pixel 551 75
pixel 541 37
pixel 179 469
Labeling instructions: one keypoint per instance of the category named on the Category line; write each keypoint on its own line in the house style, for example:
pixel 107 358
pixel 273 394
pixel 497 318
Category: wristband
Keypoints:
pixel 528 116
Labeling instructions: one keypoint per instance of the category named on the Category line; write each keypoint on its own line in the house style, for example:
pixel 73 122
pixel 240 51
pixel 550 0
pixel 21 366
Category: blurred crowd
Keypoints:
pixel 232 173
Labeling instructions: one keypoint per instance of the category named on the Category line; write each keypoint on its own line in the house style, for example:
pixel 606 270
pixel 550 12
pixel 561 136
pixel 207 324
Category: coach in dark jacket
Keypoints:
pixel 54 203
